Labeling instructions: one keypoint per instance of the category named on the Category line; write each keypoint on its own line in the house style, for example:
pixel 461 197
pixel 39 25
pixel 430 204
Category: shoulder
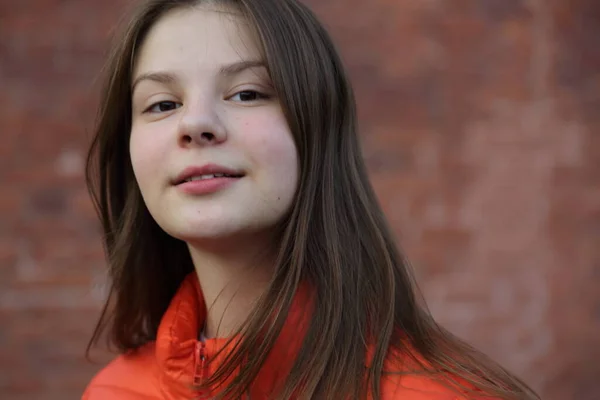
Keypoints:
pixel 127 377
pixel 419 387
pixel 407 377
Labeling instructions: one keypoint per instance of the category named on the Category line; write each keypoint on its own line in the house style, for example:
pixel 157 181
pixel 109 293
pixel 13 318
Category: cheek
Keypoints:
pixel 145 157
pixel 276 154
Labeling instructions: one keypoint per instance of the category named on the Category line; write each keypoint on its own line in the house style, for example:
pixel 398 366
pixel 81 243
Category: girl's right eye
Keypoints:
pixel 163 106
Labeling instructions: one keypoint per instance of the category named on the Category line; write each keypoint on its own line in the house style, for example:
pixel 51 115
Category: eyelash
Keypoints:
pixel 149 109
pixel 259 96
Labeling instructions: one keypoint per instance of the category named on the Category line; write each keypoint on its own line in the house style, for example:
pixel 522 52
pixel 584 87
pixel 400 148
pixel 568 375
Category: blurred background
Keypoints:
pixel 480 126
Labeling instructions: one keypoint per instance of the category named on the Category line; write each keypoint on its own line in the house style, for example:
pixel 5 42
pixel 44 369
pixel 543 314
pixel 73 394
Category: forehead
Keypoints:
pixel 202 37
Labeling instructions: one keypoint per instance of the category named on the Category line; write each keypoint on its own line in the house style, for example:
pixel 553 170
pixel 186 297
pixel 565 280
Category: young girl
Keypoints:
pixel 248 256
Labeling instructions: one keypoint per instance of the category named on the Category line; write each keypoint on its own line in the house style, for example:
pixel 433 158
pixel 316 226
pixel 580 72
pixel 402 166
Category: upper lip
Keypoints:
pixel 206 169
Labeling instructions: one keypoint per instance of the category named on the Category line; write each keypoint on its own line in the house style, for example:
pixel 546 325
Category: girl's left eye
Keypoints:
pixel 249 95
pixel 162 106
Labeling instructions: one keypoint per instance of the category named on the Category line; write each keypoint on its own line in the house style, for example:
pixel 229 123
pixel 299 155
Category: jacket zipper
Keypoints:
pixel 200 370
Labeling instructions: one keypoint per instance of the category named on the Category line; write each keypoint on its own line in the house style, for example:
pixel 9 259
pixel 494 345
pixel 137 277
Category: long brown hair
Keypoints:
pixel 335 235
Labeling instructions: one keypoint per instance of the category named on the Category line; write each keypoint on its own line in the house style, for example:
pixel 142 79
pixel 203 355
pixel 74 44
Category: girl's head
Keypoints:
pixel 255 90
pixel 251 89
pixel 203 103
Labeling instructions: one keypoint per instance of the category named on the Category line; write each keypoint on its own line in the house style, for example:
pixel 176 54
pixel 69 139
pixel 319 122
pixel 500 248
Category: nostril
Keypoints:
pixel 207 136
pixel 199 138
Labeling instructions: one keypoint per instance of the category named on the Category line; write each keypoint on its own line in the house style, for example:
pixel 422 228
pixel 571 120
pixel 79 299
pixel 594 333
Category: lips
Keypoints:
pixel 205 172
pixel 209 176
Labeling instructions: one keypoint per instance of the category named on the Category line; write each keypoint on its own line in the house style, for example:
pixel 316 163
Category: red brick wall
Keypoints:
pixel 479 121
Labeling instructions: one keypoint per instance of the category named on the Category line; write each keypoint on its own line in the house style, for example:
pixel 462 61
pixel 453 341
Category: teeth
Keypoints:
pixel 202 177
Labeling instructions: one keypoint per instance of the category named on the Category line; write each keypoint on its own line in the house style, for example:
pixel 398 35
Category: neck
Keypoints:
pixel 232 277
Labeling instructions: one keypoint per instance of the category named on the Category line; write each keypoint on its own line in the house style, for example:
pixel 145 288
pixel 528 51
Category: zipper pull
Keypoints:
pixel 200 368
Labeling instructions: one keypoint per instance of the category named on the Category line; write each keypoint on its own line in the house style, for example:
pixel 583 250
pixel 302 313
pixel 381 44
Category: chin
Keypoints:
pixel 218 235
pixel 202 228
pixel 202 232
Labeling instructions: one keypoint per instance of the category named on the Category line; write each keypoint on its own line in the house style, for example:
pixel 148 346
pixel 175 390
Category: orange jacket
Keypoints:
pixel 167 368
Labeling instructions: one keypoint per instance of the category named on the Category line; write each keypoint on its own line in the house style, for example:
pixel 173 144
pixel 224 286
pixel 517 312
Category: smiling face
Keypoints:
pixel 210 148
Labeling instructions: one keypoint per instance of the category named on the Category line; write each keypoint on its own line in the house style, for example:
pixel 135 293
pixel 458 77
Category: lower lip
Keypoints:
pixel 206 186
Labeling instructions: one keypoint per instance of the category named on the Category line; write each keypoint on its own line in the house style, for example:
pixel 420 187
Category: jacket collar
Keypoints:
pixel 179 353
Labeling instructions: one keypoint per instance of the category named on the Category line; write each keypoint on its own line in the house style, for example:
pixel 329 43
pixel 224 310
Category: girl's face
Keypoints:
pixel 211 150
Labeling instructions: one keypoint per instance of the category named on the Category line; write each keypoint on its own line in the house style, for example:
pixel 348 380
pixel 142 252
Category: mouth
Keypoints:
pixel 206 180
pixel 209 176
pixel 206 172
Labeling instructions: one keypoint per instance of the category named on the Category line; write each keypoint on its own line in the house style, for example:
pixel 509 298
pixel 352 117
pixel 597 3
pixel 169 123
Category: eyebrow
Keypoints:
pixel 227 70
pixel 238 67
pixel 160 77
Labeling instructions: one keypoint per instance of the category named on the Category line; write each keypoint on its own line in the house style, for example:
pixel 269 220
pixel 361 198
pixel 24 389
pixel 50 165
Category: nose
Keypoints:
pixel 201 125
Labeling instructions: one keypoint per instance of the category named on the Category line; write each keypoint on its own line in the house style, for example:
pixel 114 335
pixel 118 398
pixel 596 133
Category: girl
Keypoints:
pixel 248 255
